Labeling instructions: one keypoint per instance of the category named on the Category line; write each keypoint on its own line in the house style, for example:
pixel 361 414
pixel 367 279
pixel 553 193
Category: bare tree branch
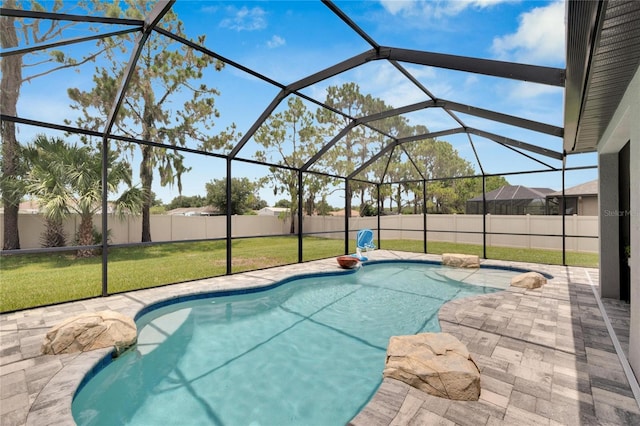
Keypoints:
pixel 85 60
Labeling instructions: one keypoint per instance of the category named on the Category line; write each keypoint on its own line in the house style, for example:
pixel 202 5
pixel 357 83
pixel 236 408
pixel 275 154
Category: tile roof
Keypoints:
pixel 587 188
pixel 514 192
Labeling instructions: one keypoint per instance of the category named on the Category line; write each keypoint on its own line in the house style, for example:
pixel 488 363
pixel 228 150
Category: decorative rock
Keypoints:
pixel 529 280
pixel 91 331
pixel 461 260
pixel 436 363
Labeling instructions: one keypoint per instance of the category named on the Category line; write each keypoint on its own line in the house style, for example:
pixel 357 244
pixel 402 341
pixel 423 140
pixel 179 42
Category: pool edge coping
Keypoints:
pixel 58 394
pixel 108 357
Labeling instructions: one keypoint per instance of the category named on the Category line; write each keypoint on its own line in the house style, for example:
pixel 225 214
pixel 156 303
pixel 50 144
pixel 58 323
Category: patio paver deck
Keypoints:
pixel 545 355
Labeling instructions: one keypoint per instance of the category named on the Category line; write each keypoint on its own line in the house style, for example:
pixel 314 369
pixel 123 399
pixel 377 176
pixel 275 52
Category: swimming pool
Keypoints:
pixel 310 351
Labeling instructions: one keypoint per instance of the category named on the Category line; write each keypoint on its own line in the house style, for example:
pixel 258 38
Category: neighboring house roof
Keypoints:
pixel 587 188
pixel 272 211
pixel 194 211
pixel 514 192
pixel 354 213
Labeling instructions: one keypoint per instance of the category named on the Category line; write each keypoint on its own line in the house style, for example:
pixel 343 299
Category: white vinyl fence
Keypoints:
pixel 583 230
pixel 445 228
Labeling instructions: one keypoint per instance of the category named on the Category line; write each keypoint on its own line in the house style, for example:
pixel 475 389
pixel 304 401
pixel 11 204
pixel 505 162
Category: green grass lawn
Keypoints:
pixel 43 279
pixel 550 257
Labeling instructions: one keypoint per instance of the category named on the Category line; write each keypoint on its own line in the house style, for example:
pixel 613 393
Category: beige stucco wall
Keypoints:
pixel 588 205
pixel 624 127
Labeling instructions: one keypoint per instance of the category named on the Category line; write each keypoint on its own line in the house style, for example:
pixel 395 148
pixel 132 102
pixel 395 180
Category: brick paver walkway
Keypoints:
pixel 545 355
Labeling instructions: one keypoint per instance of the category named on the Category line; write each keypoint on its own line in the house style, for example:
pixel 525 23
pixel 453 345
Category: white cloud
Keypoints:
pixel 437 9
pixel 388 84
pixel 209 9
pixel 471 81
pixel 396 6
pixel 537 102
pixel 540 37
pixel 245 19
pixel 276 41
pixel 524 90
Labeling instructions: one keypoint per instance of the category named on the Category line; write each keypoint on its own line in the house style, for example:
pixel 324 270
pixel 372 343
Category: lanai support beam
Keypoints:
pixel 158 11
pixel 371 160
pixel 256 125
pixel 424 215
pixel 502 118
pixel 516 143
pixel 350 23
pixel 53 16
pixel 347 214
pixel 156 14
pixel 484 216
pixel 471 110
pixel 66 42
pixel 399 142
pixel 328 146
pixel 346 65
pixel 431 135
pixel 396 111
pixel 564 215
pixel 300 214
pixel 532 73
pixel 378 210
pixel 526 155
pixel 229 232
pixel 341 67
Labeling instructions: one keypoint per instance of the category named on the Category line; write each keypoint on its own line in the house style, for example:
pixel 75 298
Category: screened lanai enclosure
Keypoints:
pixel 346 115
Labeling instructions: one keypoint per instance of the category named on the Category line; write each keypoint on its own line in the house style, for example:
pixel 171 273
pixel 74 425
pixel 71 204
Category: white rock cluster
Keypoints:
pixel 461 260
pixel 91 331
pixel 436 363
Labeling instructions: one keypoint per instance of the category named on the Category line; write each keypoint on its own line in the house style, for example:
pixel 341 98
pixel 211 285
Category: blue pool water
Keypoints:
pixel 308 352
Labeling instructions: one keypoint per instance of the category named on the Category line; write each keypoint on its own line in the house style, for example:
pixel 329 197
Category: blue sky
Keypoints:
pixel 288 40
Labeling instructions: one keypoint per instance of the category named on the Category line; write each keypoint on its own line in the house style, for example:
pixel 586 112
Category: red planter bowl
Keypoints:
pixel 347 262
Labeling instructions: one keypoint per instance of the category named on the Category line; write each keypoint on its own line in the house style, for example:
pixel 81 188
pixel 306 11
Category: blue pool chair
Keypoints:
pixel 364 242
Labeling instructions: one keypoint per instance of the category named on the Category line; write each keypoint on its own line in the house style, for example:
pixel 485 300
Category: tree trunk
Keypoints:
pixel 292 228
pixel 294 213
pixel 85 236
pixel 146 176
pixel 9 93
pixel 10 223
pixel 54 235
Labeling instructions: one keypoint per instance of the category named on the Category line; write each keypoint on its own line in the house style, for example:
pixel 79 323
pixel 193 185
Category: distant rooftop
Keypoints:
pixel 194 211
pixel 514 192
pixel 587 188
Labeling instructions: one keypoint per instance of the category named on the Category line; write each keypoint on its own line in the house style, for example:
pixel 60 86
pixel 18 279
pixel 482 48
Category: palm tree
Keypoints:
pixel 67 179
pixel 44 169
